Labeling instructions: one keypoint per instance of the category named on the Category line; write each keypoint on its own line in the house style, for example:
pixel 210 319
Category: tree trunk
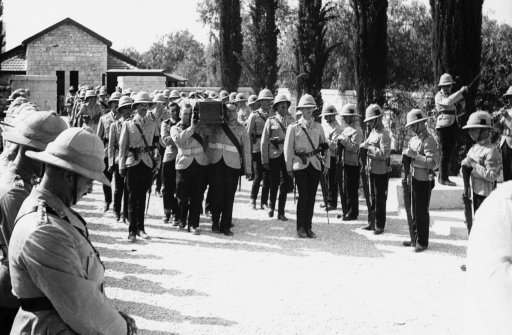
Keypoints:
pixel 456 49
pixel 311 52
pixel 370 21
pixel 231 41
pixel 264 30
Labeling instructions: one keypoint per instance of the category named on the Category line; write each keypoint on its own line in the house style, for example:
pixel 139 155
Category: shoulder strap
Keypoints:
pixel 261 116
pixel 145 143
pixel 280 125
pixel 308 137
pixel 234 140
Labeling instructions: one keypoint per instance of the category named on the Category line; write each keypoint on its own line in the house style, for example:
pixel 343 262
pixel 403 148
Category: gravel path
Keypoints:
pixel 264 280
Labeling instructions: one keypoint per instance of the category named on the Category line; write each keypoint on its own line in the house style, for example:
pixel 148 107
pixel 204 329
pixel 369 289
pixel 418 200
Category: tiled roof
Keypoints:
pixel 115 63
pixel 14 60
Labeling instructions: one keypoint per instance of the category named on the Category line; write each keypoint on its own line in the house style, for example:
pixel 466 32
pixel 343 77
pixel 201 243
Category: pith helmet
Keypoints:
pixel 508 93
pixel 82 94
pixel 159 98
pixel 306 101
pixel 213 95
pixel 75 150
pixel 102 91
pixel 415 116
pixel 372 112
pixel 142 98
pixel 281 98
pixel 252 100
pixel 446 80
pixel 349 110
pixel 174 94
pixel 166 93
pixel 240 97
pixel 90 94
pixel 125 101
pixel 232 96
pixel 36 130
pixel 329 110
pixel 478 120
pixel 265 94
pixel 223 95
pixel 114 97
pixel 127 91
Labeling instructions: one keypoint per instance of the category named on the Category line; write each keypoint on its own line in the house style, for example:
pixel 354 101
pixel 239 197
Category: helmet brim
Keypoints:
pixel 416 121
pixel 372 118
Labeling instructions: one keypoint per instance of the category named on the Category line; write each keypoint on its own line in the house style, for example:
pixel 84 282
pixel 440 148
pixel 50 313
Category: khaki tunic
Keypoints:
pixel 273 130
pixel 221 147
pixel 255 125
pixel 485 174
pixel 445 106
pixel 351 138
pixel 427 156
pixel 379 150
pixel 50 256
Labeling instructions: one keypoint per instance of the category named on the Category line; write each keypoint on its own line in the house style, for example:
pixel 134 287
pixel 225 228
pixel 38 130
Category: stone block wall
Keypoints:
pixel 142 83
pixel 43 90
pixel 68 48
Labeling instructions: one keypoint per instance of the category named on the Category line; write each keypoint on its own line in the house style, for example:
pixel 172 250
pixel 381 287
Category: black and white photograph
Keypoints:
pixel 256 167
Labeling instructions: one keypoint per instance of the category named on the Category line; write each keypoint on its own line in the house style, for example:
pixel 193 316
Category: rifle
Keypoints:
pixel 363 157
pixel 340 151
pixel 324 187
pixel 406 185
pixel 466 197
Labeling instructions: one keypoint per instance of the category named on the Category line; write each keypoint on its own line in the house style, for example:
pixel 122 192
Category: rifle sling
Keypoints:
pixel 236 143
pixel 313 146
pixel 148 148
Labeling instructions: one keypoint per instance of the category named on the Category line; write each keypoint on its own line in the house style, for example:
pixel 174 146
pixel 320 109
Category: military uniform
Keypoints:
pixel 332 131
pixel 103 133
pixel 227 163
pixel 272 140
pixel 379 149
pixel 56 272
pixel 191 172
pixel 424 161
pixel 93 110
pixel 255 125
pixel 505 123
pixel 113 164
pixel 351 137
pixel 307 174
pixel 158 119
pixel 169 170
pixel 139 162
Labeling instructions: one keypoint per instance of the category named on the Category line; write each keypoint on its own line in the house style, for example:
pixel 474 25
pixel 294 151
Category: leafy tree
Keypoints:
pixel 231 42
pixel 370 21
pixel 2 32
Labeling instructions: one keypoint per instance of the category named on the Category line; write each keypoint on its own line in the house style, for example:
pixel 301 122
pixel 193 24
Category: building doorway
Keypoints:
pixel 73 79
pixel 61 91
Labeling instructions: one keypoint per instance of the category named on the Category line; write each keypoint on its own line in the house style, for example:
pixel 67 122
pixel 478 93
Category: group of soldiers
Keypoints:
pixel 51 276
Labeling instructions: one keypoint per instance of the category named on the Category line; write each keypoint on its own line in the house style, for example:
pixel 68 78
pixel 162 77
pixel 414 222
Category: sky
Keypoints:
pixel 134 23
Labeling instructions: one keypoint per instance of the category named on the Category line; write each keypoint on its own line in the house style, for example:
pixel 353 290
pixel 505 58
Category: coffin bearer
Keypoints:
pixel 424 154
pixel 124 111
pixel 350 140
pixel 104 133
pixel 303 147
pixel 34 133
pixel 191 169
pixel 446 125
pixel 56 272
pixel 169 165
pixel 483 160
pixel 255 125
pixel 332 129
pixel 229 154
pixel 138 161
pixel 505 125
pixel 378 145
pixel 272 155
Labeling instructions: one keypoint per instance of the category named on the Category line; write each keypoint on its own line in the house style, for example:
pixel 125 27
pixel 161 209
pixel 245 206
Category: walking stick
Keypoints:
pixel 466 197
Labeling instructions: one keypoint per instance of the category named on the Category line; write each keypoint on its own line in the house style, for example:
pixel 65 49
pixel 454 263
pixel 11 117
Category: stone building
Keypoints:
pixel 68 54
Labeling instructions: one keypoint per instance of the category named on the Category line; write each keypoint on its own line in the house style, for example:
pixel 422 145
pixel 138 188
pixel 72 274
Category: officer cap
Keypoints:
pixel 415 116
pixel 306 101
pixel 36 129
pixel 446 80
pixel 372 112
pixel 478 120
pixel 75 150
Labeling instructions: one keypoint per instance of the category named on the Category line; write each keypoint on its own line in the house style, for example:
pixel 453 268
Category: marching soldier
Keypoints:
pixel 230 157
pixel 33 133
pixel 174 96
pixel 350 139
pixel 305 141
pixel 191 169
pixel 91 108
pixel 124 110
pixel 332 129
pixel 505 125
pixel 158 114
pixel 138 161
pixel 169 165
pixel 255 125
pixel 423 153
pixel 70 100
pixel 102 98
pixel 56 273
pixel 103 133
pixel 446 125
pixel 232 97
pixel 483 159
pixel 272 155
pixel 378 146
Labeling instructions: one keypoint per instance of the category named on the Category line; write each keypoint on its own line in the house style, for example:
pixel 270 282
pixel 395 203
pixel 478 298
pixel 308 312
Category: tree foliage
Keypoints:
pixel 2 31
pixel 231 43
pixel 370 21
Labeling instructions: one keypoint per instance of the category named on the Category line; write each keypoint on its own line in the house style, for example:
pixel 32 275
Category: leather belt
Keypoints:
pixel 190 151
pixel 35 304
pixel 220 146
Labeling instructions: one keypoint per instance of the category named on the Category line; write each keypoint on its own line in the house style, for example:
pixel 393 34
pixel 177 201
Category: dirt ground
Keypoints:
pixel 264 280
